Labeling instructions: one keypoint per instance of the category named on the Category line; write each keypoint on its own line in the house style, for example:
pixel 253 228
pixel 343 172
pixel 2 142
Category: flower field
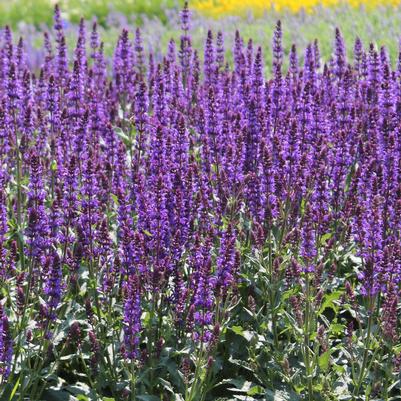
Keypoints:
pixel 259 7
pixel 197 225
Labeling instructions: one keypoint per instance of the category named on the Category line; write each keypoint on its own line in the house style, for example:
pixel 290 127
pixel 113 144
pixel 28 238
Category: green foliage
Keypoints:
pixel 39 12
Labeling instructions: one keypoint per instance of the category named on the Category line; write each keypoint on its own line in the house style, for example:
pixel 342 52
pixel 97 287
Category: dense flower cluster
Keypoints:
pixel 132 197
pixel 259 7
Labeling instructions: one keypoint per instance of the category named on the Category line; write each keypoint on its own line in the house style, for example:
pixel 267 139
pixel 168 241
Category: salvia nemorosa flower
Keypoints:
pixel 185 44
pixel 132 318
pixel 6 345
pixel 226 268
pixel 389 315
pixel 38 226
pixel 3 226
pixel 95 352
pixel 152 176
pixel 53 286
pixel 74 335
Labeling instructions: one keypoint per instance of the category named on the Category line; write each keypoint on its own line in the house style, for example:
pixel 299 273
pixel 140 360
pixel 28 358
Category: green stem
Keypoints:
pixel 307 341
pixel 19 194
pixel 196 376
pixel 88 374
pixel 365 354
pixel 133 381
pixel 151 343
pixel 272 295
pixel 52 369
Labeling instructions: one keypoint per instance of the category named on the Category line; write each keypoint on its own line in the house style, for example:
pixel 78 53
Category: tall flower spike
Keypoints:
pixel 7 56
pixel 80 49
pixel 94 41
pixel 293 68
pixel 90 204
pixel 123 67
pixel 209 59
pixel 185 16
pixel 6 346
pixel 358 50
pixel 3 224
pixel 399 58
pixel 38 226
pixel 139 53
pixel 316 53
pixel 53 286
pixel 49 57
pixel 226 261
pixel 220 50
pixel 61 60
pixel 339 54
pixel 185 43
pixel 132 319
pixel 277 48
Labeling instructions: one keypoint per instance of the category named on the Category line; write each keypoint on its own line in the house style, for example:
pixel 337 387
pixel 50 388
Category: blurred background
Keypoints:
pixel 376 21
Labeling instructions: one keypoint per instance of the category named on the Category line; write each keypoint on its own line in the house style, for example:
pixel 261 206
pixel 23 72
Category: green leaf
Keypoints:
pixel 241 385
pixel 394 385
pixel 147 398
pixel 15 388
pixel 328 301
pixel 167 385
pixel 82 391
pixel 57 395
pixel 337 328
pixel 237 330
pixel 7 391
pixel 256 390
pixel 338 368
pixel 115 199
pixel 240 363
pixel 67 357
pixel 248 335
pixel 350 174
pixel 125 138
pixel 324 360
pixel 326 237
pixel 277 395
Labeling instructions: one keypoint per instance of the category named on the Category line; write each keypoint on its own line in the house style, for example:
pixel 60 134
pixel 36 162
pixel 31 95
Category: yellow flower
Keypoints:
pixel 216 8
